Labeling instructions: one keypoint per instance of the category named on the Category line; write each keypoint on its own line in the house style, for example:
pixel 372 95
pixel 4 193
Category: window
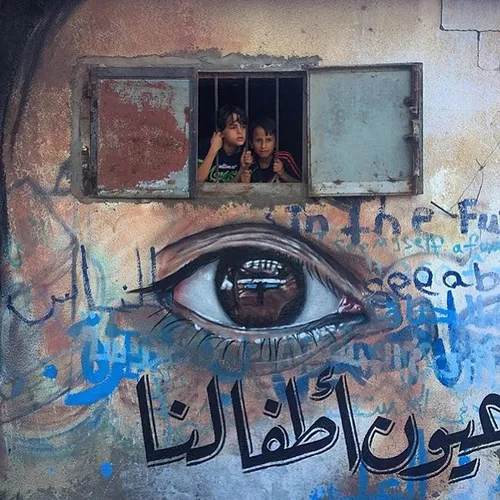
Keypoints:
pixel 278 96
pixel 351 130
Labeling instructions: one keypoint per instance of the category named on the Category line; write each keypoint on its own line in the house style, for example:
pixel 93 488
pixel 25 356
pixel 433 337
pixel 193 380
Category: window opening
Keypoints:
pixel 261 95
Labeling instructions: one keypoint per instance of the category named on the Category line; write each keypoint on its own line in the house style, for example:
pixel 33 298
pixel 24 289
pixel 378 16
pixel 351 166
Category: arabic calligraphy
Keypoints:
pixel 281 446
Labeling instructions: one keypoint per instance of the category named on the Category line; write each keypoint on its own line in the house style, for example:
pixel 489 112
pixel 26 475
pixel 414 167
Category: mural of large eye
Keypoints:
pixel 256 293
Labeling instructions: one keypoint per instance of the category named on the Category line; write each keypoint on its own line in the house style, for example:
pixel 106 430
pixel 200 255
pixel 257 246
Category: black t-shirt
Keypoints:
pixel 267 174
pixel 228 164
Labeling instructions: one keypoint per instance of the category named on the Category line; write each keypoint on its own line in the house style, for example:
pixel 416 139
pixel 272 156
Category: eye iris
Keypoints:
pixel 261 290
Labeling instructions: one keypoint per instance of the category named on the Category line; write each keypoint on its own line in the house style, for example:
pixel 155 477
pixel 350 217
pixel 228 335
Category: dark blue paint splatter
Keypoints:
pixel 107 469
pixel 50 371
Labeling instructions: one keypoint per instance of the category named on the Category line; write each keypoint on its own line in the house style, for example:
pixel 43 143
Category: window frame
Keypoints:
pixel 295 190
pixel 215 194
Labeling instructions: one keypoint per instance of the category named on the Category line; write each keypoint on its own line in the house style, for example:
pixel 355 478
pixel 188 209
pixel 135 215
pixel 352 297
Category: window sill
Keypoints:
pixel 256 194
pixel 377 188
pixel 210 194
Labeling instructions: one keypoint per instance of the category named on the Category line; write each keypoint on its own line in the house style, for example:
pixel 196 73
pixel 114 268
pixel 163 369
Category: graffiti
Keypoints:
pixel 88 294
pixel 431 244
pixel 354 231
pixel 423 279
pixel 475 246
pixel 314 224
pixel 278 449
pixel 425 241
pixel 53 300
pixel 301 328
pixel 187 450
pixel 485 222
pixel 400 305
pixel 352 235
pixel 258 299
pixel 106 361
pixel 231 289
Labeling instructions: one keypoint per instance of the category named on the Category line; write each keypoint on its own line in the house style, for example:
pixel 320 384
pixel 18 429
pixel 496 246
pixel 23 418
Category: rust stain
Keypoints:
pixel 140 138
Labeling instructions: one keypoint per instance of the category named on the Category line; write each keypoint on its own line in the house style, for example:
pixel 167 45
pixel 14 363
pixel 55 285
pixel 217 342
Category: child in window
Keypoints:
pixel 220 160
pixel 267 164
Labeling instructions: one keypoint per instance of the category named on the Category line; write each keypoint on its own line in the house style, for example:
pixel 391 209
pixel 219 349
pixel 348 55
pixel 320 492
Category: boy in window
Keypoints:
pixel 267 164
pixel 221 159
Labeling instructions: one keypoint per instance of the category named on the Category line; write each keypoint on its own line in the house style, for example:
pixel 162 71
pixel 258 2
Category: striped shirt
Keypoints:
pixel 267 174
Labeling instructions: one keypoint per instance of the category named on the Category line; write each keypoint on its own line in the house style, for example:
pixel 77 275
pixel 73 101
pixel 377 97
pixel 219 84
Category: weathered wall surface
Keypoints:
pixel 385 384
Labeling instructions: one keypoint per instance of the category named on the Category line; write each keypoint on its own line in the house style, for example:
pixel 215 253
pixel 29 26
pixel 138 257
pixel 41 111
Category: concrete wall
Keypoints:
pixel 418 343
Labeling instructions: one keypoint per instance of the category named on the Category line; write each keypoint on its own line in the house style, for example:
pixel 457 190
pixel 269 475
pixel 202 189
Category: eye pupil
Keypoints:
pixel 260 290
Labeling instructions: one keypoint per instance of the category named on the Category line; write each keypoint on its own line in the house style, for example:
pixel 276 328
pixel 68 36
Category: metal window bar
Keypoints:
pixel 277 112
pixel 216 101
pixel 246 109
pixel 305 132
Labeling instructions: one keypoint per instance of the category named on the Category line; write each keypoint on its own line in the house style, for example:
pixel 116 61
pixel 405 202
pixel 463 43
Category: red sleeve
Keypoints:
pixel 288 161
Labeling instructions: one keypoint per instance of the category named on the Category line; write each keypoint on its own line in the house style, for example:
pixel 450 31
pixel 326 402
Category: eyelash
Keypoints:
pixel 242 343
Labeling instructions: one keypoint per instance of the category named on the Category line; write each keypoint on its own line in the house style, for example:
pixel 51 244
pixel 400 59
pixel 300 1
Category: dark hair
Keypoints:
pixel 225 115
pixel 268 124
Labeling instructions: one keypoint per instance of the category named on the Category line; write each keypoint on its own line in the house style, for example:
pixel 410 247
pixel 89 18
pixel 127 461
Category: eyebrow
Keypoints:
pixel 206 243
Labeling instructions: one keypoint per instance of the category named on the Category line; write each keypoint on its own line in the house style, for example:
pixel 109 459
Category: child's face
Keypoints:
pixel 263 143
pixel 235 133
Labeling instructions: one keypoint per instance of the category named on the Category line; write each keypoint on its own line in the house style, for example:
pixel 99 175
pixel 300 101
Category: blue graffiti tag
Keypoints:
pixel 106 361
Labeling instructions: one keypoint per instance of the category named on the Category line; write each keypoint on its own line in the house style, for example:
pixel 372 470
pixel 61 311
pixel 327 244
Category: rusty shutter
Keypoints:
pixel 142 134
pixel 365 128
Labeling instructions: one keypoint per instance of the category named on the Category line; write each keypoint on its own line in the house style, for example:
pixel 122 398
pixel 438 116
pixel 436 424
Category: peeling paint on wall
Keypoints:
pixel 142 133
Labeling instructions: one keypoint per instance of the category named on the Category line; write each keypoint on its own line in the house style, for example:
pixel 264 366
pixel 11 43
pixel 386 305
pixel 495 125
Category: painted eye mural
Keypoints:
pixel 257 295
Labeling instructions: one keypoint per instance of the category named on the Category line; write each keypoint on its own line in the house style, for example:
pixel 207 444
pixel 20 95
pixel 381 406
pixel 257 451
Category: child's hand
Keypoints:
pixel 245 176
pixel 278 167
pixel 216 141
pixel 247 160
